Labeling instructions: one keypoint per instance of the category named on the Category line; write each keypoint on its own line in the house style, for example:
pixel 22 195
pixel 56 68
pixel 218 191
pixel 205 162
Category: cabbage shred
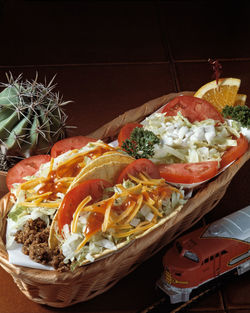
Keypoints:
pixel 129 226
pixel 183 142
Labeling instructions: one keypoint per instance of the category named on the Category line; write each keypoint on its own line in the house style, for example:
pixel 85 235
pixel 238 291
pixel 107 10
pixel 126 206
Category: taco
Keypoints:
pixel 72 163
pixel 96 218
pixel 37 198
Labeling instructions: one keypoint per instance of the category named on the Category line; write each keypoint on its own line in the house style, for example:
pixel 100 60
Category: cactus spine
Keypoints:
pixel 31 117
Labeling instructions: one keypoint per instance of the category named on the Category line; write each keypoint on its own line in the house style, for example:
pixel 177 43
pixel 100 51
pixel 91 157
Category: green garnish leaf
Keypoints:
pixel 239 113
pixel 141 143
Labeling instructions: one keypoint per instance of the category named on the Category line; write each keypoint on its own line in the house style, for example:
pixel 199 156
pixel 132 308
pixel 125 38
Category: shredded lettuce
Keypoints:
pixel 17 212
pixel 102 241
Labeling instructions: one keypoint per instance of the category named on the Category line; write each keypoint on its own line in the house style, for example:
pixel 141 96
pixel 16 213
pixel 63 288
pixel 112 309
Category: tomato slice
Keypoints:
pixel 188 173
pixel 70 143
pixel 139 166
pixel 26 167
pixel 92 187
pixel 234 153
pixel 194 109
pixel 126 131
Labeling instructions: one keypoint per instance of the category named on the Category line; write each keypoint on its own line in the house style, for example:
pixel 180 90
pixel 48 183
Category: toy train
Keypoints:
pixel 206 253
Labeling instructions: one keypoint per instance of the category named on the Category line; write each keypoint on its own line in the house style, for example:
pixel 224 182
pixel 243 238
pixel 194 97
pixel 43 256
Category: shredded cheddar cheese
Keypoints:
pixel 78 211
pixel 154 209
pixel 107 215
pixel 86 239
pixel 125 213
pixel 146 181
pixel 120 212
pixel 41 204
pixel 72 159
pixel 136 209
pixel 37 197
pixel 51 165
pixel 30 184
pixel 140 228
pixel 134 189
pixel 122 226
pixel 37 201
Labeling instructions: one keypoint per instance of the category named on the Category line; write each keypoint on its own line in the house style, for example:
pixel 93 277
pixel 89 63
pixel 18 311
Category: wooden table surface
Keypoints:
pixel 112 56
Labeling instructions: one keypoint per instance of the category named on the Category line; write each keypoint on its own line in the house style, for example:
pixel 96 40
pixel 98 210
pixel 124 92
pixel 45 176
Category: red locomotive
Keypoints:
pixel 206 253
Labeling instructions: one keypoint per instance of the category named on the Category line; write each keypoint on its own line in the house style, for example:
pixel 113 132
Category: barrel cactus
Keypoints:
pixel 31 117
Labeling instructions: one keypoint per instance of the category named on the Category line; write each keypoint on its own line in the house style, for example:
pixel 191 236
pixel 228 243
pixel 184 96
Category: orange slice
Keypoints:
pixel 240 99
pixel 222 94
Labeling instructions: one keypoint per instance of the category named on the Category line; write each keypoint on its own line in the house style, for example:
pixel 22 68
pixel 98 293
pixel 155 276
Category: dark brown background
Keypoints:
pixel 111 56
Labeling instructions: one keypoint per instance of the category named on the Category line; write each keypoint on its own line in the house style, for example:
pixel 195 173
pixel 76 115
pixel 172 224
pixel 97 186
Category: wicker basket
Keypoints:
pixel 3 187
pixel 64 289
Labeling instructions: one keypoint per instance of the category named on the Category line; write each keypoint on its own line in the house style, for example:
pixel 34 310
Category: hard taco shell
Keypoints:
pixel 102 167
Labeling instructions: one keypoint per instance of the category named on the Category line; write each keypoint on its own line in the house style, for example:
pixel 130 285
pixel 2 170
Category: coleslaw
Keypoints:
pixel 184 142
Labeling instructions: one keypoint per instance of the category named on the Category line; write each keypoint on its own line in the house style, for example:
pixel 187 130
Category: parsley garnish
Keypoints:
pixel 141 143
pixel 239 113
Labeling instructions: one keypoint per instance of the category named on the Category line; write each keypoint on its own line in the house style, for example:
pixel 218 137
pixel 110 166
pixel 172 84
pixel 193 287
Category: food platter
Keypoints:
pixel 64 289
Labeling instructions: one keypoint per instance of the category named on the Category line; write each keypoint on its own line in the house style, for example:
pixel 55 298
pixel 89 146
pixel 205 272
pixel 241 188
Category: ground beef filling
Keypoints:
pixel 34 237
